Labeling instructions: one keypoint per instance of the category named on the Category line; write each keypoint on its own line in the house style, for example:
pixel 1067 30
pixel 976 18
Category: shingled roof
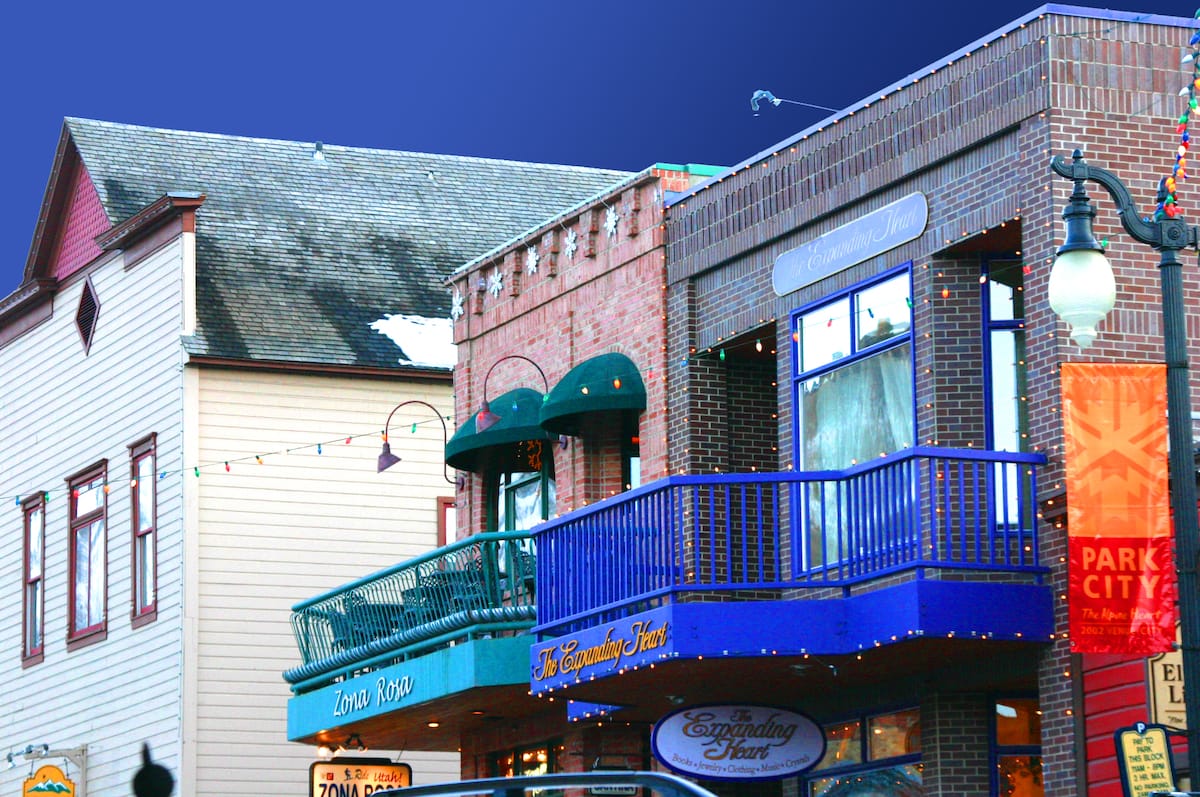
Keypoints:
pixel 296 256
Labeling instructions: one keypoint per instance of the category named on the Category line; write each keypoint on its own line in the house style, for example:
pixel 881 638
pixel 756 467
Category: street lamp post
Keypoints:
pixel 1167 236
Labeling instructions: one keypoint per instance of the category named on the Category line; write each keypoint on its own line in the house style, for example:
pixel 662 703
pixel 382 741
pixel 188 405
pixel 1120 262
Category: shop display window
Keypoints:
pixel 535 760
pixel 873 756
pixel 1018 724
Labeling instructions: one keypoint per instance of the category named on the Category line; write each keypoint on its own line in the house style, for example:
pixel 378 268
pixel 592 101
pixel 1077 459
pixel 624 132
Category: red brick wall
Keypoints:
pixel 975 136
pixel 571 309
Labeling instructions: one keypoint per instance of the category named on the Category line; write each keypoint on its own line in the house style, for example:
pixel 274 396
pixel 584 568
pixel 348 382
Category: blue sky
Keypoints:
pixel 617 84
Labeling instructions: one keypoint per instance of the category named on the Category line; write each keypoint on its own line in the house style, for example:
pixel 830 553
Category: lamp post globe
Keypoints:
pixel 1082 291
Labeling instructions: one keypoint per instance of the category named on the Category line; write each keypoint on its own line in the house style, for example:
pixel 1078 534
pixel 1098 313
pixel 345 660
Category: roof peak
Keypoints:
pixel 327 147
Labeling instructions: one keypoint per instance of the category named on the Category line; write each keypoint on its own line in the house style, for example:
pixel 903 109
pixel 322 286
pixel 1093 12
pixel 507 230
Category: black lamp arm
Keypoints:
pixel 1165 234
pixel 438 415
pixel 545 382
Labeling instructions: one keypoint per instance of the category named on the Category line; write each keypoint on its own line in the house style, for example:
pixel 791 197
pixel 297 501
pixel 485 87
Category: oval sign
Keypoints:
pixel 738 742
pixel 855 241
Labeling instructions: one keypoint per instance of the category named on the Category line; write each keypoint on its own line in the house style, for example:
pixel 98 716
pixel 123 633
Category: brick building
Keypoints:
pixel 841 502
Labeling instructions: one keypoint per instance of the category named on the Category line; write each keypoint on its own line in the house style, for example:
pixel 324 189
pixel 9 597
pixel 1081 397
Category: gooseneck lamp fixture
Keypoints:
pixel 387 459
pixel 1081 283
pixel 485 418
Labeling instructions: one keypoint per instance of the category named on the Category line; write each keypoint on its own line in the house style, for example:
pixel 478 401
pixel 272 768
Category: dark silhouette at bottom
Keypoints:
pixel 152 780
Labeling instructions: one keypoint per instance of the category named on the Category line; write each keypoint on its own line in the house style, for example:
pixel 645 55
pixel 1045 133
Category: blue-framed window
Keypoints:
pixel 1003 299
pixel 852 360
pixel 853 394
pixel 877 755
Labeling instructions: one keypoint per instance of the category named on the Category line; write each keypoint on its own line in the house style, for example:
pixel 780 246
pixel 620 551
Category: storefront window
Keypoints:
pixel 1018 748
pixel 882 762
pixel 538 760
pixel 843 745
pixel 897 781
pixel 896 734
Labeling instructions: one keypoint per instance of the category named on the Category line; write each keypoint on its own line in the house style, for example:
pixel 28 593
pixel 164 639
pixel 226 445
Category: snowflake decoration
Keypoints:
pixel 531 260
pixel 571 244
pixel 456 305
pixel 611 217
pixel 495 282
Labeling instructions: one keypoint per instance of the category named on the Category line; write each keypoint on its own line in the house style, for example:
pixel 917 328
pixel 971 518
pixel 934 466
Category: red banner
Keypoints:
pixel 1122 589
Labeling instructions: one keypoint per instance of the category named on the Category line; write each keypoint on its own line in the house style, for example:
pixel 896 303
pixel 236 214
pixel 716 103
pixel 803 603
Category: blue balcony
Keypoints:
pixel 478 588
pixel 926 541
pixel 929 544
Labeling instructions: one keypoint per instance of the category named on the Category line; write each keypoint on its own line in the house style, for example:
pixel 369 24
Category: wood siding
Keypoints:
pixel 297 525
pixel 62 410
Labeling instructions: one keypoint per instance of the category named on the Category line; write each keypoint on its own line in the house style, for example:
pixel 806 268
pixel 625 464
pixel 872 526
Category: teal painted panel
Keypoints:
pixel 478 663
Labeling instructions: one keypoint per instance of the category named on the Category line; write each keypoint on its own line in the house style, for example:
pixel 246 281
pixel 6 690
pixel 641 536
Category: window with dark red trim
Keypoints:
pixel 446 519
pixel 143 511
pixel 33 598
pixel 88 556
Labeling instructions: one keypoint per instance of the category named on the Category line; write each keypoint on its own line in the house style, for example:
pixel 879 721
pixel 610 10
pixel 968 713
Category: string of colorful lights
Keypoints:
pixel 1168 206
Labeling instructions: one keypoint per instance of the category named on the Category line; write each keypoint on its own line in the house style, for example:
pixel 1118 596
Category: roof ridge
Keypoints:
pixel 335 147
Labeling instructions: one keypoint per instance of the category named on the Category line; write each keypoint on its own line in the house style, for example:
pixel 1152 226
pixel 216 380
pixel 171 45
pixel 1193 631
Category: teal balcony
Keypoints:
pixel 482 587
pixel 930 547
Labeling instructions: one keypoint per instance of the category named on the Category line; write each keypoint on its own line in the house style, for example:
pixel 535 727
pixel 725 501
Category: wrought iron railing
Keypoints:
pixel 481 585
pixel 925 511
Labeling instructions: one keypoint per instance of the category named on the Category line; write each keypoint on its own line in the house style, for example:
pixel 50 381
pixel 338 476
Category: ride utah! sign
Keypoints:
pixel 738 742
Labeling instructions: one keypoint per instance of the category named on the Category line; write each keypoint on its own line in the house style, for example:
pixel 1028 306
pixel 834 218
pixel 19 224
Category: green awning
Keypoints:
pixel 603 383
pixel 512 445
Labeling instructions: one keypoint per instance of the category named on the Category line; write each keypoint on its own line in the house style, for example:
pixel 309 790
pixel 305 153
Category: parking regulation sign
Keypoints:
pixel 356 777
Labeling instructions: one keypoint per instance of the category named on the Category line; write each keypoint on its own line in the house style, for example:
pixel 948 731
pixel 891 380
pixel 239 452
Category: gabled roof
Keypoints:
pixel 297 256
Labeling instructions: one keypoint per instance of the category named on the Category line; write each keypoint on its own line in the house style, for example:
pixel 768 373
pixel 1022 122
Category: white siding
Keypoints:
pixel 60 411
pixel 283 531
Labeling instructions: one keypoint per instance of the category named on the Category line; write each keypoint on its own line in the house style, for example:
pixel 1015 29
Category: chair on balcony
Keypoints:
pixel 526 571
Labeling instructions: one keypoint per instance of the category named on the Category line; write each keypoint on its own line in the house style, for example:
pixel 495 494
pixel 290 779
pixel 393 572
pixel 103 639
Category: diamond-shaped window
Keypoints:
pixel 86 315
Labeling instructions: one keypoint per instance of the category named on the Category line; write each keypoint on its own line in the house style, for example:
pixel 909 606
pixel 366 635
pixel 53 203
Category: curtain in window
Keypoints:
pixel 851 415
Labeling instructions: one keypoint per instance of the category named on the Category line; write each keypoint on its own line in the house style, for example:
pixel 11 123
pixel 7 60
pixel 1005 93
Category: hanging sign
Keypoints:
pixel 1122 589
pixel 842 247
pixel 1144 757
pixel 738 742
pixel 1164 679
pixel 356 777
pixel 48 780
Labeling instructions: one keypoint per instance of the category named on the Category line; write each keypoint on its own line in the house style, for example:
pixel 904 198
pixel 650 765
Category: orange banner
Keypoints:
pixel 1122 588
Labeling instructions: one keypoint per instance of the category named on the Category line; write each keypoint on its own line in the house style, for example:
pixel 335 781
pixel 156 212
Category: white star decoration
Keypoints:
pixel 571 245
pixel 456 305
pixel 531 260
pixel 611 217
pixel 495 282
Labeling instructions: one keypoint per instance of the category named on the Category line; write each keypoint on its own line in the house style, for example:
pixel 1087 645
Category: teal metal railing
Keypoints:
pixel 481 585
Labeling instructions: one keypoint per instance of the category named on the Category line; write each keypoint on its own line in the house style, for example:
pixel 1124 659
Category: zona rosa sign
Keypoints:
pixel 738 742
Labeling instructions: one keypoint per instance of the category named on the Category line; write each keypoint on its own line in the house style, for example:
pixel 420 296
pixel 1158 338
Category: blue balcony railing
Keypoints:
pixel 483 585
pixel 929 512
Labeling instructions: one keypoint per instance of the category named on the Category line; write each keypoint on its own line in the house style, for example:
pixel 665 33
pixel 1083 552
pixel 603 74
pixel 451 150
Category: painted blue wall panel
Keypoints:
pixel 828 627
pixel 473 664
